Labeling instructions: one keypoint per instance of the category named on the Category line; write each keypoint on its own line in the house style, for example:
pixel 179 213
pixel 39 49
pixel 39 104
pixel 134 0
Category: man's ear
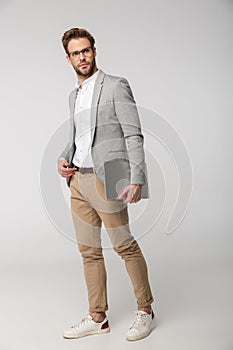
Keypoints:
pixel 68 59
pixel 94 51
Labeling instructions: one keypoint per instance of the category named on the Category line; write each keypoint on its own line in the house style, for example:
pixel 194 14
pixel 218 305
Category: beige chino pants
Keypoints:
pixel 89 209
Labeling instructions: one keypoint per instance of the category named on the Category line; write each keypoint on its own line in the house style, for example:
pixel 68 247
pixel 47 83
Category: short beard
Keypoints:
pixel 89 72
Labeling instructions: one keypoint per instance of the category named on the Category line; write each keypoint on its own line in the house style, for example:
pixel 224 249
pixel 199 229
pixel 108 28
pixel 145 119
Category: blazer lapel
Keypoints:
pixel 95 100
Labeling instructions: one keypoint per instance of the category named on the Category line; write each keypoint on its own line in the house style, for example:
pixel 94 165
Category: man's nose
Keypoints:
pixel 81 56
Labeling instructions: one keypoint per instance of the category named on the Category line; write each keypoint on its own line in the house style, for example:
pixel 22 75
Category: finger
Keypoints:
pixel 137 199
pixel 62 164
pixel 68 170
pixel 122 194
pixel 121 197
pixel 67 173
pixel 67 176
pixel 128 198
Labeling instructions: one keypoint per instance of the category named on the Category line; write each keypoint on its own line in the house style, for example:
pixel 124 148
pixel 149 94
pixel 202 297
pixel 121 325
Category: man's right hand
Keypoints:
pixel 63 170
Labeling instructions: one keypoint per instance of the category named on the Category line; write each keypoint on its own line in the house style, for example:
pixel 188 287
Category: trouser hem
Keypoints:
pixel 148 303
pixel 98 310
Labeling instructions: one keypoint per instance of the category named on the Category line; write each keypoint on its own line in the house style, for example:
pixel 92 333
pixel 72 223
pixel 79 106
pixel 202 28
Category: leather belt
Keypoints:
pixel 85 170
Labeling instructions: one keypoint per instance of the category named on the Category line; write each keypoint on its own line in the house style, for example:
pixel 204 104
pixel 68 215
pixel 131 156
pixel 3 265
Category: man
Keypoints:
pixel 104 126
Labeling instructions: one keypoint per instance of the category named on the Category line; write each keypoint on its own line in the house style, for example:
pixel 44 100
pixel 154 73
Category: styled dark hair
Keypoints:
pixel 76 33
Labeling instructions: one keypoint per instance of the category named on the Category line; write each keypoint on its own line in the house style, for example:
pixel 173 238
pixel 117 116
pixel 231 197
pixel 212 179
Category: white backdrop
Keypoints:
pixel 177 56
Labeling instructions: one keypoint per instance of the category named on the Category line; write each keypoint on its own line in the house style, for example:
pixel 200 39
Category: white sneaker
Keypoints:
pixel 142 325
pixel 87 327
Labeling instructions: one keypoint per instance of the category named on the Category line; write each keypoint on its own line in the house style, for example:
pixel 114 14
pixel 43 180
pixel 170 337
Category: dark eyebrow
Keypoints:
pixel 77 51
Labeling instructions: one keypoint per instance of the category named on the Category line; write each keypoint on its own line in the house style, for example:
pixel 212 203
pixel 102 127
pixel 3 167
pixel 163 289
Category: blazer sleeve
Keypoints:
pixel 127 113
pixel 66 153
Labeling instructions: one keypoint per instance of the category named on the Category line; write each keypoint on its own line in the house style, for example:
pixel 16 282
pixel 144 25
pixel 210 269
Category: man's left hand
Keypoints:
pixel 131 193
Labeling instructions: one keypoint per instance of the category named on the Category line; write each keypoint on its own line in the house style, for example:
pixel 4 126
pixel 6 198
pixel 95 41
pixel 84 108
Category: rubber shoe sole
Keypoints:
pixel 84 334
pixel 143 335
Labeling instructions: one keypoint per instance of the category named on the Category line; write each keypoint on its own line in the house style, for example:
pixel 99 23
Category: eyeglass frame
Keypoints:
pixel 77 53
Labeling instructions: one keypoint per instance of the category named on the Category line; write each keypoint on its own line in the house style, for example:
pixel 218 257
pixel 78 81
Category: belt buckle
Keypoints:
pixel 82 170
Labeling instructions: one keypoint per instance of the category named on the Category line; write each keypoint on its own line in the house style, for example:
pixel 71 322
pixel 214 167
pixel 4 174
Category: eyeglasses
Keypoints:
pixel 86 52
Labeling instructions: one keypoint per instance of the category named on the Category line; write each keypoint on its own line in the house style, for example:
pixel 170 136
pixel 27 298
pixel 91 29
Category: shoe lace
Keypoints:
pixel 139 320
pixel 84 321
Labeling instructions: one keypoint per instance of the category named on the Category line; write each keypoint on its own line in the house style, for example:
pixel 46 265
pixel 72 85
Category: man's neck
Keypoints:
pixel 81 78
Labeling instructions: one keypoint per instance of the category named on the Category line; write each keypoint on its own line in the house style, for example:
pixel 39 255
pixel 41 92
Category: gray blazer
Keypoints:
pixel 115 128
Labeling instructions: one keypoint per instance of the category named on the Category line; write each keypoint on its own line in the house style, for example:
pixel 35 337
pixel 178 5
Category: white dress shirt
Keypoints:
pixel 82 119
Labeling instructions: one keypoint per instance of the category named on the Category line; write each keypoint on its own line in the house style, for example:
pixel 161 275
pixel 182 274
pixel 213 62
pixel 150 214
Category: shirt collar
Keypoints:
pixel 89 80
